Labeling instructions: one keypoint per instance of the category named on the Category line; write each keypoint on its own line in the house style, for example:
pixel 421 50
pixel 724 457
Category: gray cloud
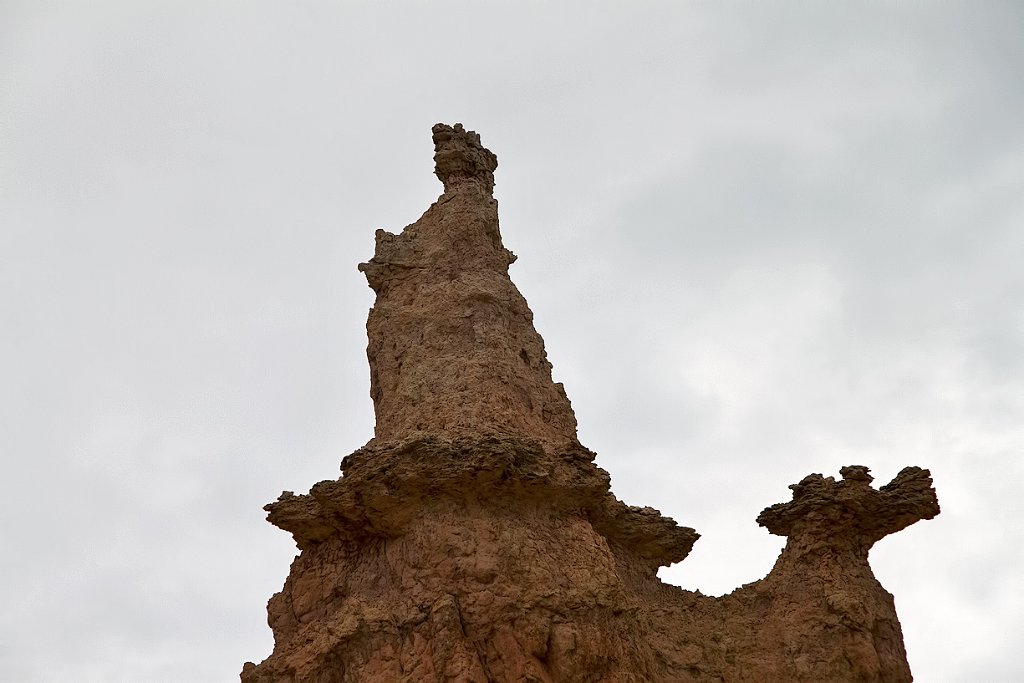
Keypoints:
pixel 759 242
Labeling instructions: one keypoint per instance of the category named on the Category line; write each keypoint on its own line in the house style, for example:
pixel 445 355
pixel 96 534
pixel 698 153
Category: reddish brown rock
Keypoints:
pixel 474 539
pixel 452 349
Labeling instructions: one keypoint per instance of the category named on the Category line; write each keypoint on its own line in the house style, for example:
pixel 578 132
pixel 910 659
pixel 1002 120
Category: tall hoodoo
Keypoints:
pixel 474 539
pixel 452 346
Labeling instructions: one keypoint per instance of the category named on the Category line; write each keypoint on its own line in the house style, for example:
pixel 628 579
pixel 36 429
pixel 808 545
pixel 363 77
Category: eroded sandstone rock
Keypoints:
pixel 474 539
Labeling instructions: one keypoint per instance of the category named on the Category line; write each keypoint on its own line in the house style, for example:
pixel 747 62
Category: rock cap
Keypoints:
pixel 459 157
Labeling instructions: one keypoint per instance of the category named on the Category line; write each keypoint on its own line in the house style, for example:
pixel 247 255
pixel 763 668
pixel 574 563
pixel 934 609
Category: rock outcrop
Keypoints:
pixel 474 539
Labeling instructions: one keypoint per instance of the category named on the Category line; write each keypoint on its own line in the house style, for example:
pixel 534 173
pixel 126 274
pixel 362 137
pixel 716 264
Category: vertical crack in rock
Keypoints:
pixel 474 539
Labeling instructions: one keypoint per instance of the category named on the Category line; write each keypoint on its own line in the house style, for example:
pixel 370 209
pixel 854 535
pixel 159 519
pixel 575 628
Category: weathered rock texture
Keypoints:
pixel 453 351
pixel 474 539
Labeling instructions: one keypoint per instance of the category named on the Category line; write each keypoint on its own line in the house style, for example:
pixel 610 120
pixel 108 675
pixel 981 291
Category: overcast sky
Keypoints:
pixel 760 240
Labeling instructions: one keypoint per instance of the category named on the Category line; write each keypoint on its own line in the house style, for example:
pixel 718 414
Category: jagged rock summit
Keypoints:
pixel 474 539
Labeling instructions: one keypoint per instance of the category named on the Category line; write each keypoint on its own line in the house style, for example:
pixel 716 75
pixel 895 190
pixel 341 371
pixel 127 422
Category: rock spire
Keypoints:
pixel 452 347
pixel 473 538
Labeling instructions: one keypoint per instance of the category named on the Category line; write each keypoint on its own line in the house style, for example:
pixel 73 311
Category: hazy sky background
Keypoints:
pixel 760 239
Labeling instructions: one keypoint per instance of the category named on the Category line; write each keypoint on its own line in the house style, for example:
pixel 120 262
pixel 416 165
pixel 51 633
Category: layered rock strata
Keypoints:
pixel 474 539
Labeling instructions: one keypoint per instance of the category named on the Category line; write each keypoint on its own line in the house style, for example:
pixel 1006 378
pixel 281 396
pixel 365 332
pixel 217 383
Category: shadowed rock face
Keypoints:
pixel 474 539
